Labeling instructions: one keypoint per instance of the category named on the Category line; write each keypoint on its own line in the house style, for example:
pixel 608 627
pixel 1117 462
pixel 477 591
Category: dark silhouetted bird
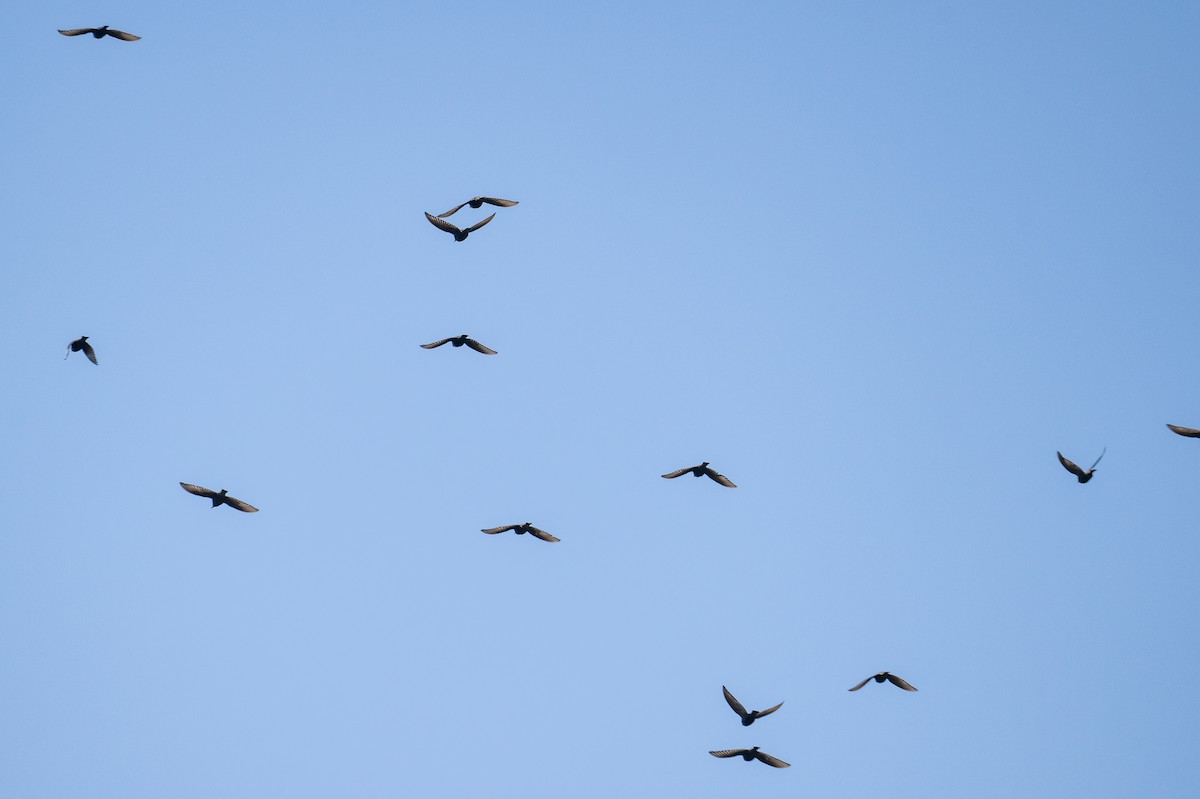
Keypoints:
pixel 100 33
pixel 219 498
pixel 1075 470
pixel 747 718
pixel 701 471
pixel 751 754
pixel 458 341
pixel 81 344
pixel 522 529
pixel 477 202
pixel 1190 432
pixel 883 675
pixel 460 234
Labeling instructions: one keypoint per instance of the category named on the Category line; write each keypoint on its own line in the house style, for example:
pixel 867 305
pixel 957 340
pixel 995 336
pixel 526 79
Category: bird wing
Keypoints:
pixel 769 710
pixel 503 529
pixel 542 534
pixel 475 345
pixel 678 473
pixel 737 706
pixel 442 224
pixel 1190 432
pixel 90 353
pixel 452 211
pixel 199 491
pixel 899 682
pixel 771 760
pixel 1070 467
pixel 498 201
pixel 122 35
pixel 244 507
pixel 720 478
pixel 728 752
pixel 435 344
pixel 1098 459
pixel 861 684
pixel 478 225
pixel 77 31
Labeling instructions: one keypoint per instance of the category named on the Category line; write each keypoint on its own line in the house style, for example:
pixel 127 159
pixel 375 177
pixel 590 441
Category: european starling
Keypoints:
pixel 1075 470
pixel 458 341
pixel 1184 431
pixel 747 718
pixel 522 529
pixel 883 675
pixel 100 33
pixel 701 471
pixel 460 234
pixel 81 344
pixel 751 754
pixel 219 498
pixel 478 202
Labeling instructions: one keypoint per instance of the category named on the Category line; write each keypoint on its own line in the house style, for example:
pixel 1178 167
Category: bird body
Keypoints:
pixel 751 754
pixel 100 33
pixel 460 234
pixel 747 717
pixel 219 497
pixel 458 341
pixel 702 471
pixel 885 675
pixel 477 202
pixel 522 529
pixel 82 344
pixel 1075 470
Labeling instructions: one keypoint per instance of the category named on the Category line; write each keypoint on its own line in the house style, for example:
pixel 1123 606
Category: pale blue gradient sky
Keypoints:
pixel 875 261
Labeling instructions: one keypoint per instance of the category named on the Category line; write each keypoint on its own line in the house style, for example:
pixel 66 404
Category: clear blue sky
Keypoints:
pixel 875 261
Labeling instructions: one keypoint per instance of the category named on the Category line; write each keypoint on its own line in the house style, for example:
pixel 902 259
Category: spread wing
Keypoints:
pixel 478 225
pixel 503 529
pixel 435 344
pixel 1070 467
pixel 244 507
pixel 678 473
pixel 720 478
pixel 769 710
pixel 475 345
pixel 90 353
pixel 542 534
pixel 861 684
pixel 122 35
pixel 452 211
pixel 497 201
pixel 729 752
pixel 77 31
pixel 899 683
pixel 771 760
pixel 199 491
pixel 442 224
pixel 733 703
pixel 1190 432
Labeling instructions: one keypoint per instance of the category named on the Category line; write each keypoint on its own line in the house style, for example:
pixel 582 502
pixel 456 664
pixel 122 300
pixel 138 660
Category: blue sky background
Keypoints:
pixel 875 261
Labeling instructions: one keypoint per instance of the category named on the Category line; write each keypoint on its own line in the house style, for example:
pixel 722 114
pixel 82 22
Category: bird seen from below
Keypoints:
pixel 460 234
pixel 747 718
pixel 82 344
pixel 219 498
pixel 751 754
pixel 1189 432
pixel 477 202
pixel 1075 470
pixel 100 33
pixel 522 529
pixel 458 341
pixel 701 471
pixel 884 675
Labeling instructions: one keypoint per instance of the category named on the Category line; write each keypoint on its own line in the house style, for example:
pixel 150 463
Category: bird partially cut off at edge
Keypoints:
pixel 1188 432
pixel 100 33
pixel 458 341
pixel 219 498
pixel 884 675
pixel 740 709
pixel 701 471
pixel 522 529
pixel 477 202
pixel 1075 470
pixel 81 344
pixel 751 754
pixel 460 234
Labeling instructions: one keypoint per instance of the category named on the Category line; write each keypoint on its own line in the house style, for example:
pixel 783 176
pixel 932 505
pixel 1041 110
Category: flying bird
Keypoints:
pixel 751 754
pixel 100 33
pixel 1184 431
pixel 747 718
pixel 522 529
pixel 81 344
pixel 219 498
pixel 477 202
pixel 883 675
pixel 701 471
pixel 1075 470
pixel 458 341
pixel 460 234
